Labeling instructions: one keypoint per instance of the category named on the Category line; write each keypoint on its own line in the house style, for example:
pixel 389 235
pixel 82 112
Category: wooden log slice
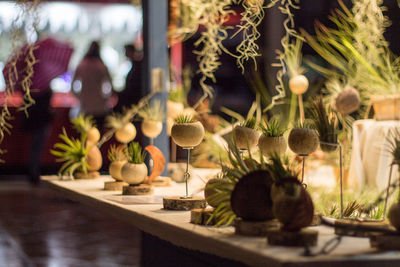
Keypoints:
pixel 114 185
pixel 177 203
pixel 352 227
pixel 251 197
pixel 302 238
pixel 385 241
pixel 255 228
pixel 88 175
pixel 142 189
pixel 201 216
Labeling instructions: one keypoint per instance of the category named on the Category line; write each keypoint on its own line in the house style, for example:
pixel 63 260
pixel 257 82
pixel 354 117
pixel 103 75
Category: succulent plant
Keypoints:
pixel 135 154
pixel 272 128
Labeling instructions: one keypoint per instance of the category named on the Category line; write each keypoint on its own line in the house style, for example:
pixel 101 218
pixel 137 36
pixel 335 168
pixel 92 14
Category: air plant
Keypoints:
pixel 272 139
pixel 249 123
pixel 184 118
pixel 152 111
pixel 85 124
pixel 121 123
pixel 325 123
pixel 272 128
pixel 117 153
pixel 135 154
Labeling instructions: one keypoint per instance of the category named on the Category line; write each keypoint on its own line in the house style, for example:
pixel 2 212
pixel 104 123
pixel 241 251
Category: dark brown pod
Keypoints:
pixel 293 211
pixel 251 197
pixel 328 138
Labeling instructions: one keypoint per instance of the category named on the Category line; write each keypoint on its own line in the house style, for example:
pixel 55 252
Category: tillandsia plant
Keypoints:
pixel 72 152
pixel 272 128
pixel 121 123
pixel 117 153
pixel 250 123
pixel 232 172
pixel 135 154
pixel 86 125
pixel 326 123
pixel 184 118
pixel 27 12
pixel 152 111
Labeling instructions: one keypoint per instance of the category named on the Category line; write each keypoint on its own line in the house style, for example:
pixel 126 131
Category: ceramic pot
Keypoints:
pixel 93 135
pixel 272 144
pixel 245 137
pixel 151 129
pixel 134 174
pixel 115 169
pixel 187 134
pixel 126 133
pixel 174 109
pixel 303 141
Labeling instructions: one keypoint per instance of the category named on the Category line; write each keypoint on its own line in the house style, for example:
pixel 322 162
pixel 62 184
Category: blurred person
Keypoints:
pixel 133 90
pixel 92 84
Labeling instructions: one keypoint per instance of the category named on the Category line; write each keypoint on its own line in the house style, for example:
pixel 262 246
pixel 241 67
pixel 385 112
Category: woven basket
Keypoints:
pixel 386 107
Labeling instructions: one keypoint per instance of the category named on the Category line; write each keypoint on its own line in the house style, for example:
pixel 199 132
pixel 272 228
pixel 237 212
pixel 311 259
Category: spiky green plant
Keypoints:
pixel 249 123
pixel 325 121
pixel 72 152
pixel 231 172
pixel 117 153
pixel 153 111
pixel 272 128
pixel 135 154
pixel 394 145
pixel 83 123
pixel 184 118
pixel 280 167
pixel 118 120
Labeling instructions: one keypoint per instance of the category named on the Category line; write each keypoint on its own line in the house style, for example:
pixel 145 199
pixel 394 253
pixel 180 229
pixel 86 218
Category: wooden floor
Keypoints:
pixel 39 228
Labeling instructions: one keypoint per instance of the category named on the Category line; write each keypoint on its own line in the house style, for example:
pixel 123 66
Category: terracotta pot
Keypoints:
pixel 272 144
pixel 115 169
pixel 245 137
pixel 187 134
pixel 151 129
pixel 303 141
pixel 174 109
pixel 134 174
pixel 94 158
pixel 394 215
pixel 347 101
pixel 126 133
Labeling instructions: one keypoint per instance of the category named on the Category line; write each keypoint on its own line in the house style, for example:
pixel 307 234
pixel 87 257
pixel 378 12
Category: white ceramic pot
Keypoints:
pixel 115 169
pixel 187 134
pixel 303 141
pixel 126 133
pixel 272 144
pixel 174 109
pixel 134 173
pixel 245 137
pixel 151 129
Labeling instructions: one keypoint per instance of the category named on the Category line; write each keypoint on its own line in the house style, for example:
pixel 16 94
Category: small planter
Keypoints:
pixel 347 101
pixel 245 137
pixel 151 129
pixel 272 144
pixel 386 107
pixel 126 133
pixel 187 135
pixel 303 141
pixel 134 174
pixel 115 170
pixel 394 215
pixel 331 139
pixel 174 109
pixel 94 159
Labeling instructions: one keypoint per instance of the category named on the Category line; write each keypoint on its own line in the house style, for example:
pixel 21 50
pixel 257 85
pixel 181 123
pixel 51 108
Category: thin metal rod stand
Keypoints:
pixel 304 156
pixel 187 174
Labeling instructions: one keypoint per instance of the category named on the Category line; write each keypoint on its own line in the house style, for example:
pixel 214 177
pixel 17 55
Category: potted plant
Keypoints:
pixel 186 132
pixel 118 157
pixel 272 139
pixel 303 140
pixel 125 131
pixel 134 172
pixel 86 125
pixel 79 159
pixel 152 115
pixel 325 123
pixel 245 134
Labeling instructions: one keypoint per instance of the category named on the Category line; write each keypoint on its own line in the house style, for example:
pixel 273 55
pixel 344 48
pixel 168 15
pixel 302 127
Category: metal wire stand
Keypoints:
pixel 187 174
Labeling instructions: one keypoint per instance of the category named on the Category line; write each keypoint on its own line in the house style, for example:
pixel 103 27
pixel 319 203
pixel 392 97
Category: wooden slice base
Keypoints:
pixel 114 185
pixel 386 241
pixel 302 238
pixel 352 227
pixel 254 228
pixel 142 189
pixel 88 175
pixel 201 216
pixel 178 203
pixel 161 181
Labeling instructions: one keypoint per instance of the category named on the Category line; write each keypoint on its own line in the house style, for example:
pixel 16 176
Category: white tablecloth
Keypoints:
pixel 371 158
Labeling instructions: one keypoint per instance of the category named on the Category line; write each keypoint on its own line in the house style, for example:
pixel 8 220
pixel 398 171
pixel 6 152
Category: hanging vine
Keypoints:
pixel 26 55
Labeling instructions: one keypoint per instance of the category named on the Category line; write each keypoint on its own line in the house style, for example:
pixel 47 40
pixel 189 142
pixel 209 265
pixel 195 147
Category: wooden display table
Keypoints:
pixel 221 245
